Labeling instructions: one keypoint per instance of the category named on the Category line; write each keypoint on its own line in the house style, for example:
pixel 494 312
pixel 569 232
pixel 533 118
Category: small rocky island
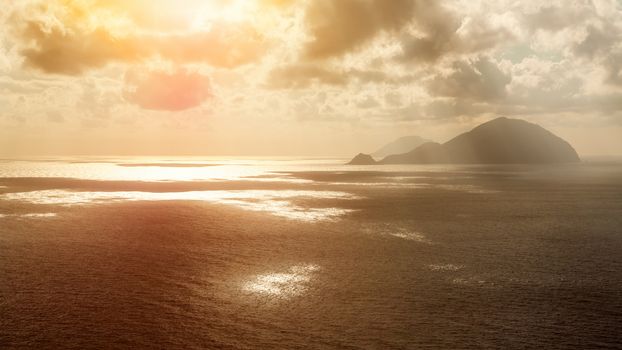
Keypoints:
pixel 362 159
pixel 499 141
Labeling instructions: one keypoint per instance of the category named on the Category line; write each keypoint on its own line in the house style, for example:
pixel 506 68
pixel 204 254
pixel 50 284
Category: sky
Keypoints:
pixel 301 77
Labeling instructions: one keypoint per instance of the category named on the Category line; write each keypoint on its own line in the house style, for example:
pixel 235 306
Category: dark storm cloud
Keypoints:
pixel 166 91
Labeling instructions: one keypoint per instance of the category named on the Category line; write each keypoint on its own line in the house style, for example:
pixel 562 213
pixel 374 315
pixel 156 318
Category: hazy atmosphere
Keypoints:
pixel 310 174
pixel 290 77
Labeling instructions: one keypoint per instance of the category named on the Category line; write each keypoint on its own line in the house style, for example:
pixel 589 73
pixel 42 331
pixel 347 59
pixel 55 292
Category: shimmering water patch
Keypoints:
pixel 29 215
pixel 277 203
pixel 168 165
pixel 39 215
pixel 471 281
pixel 401 178
pixel 411 236
pixel 397 231
pixel 382 184
pixel 445 267
pixel 276 178
pixel 466 188
pixel 293 282
pixel 417 185
pixel 290 211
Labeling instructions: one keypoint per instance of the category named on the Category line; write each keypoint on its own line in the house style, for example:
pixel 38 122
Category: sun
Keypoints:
pixel 123 17
pixel 163 15
pixel 207 13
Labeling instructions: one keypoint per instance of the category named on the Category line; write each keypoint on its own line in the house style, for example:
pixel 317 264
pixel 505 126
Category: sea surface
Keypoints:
pixel 222 253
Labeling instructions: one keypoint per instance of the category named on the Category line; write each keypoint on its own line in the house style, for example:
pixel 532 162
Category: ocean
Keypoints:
pixel 293 253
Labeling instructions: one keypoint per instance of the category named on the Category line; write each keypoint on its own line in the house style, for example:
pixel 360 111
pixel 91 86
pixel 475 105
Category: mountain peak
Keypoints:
pixel 401 145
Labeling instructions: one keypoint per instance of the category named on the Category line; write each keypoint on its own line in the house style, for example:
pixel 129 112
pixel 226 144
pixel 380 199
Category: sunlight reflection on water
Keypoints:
pixel 410 236
pixel 445 267
pixel 397 231
pixel 30 215
pixel 148 169
pixel 293 282
pixel 277 203
pixel 155 169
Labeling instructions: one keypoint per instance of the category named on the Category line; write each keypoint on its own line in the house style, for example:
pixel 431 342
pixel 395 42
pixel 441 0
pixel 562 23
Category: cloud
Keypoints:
pixel 553 18
pixel 55 117
pixel 426 30
pixel 225 45
pixel 436 29
pixel 448 36
pixel 337 27
pixel 597 41
pixel 420 31
pixel 158 90
pixel 479 80
pixel 96 100
pixel 63 50
pixel 450 108
pixel 613 67
pixel 277 2
pixel 601 44
pixel 305 75
pixel 368 102
pixel 55 41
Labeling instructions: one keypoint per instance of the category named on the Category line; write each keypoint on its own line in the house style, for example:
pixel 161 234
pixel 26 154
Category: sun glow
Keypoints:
pixel 159 15
pixel 218 11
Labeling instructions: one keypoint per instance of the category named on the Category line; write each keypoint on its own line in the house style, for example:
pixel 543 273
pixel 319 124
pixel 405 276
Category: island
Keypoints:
pixel 499 141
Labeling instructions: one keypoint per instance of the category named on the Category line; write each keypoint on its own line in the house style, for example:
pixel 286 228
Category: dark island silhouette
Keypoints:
pixel 401 145
pixel 499 141
pixel 362 159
